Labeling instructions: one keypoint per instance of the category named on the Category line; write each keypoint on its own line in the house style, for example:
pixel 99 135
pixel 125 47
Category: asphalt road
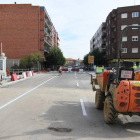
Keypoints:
pixel 52 107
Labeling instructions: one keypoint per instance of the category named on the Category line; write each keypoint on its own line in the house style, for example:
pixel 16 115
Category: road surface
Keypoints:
pixel 52 107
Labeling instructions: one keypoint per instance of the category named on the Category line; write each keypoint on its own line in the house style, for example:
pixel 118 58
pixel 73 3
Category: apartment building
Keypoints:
pixel 25 29
pixel 99 39
pixel 116 21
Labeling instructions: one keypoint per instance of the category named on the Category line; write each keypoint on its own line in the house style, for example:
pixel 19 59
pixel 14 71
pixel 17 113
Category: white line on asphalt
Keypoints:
pixel 83 108
pixel 25 93
pixel 77 85
pixel 75 77
pixel 75 73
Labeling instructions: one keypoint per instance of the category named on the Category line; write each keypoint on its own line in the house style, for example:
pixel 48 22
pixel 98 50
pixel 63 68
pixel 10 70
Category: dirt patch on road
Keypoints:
pixel 62 130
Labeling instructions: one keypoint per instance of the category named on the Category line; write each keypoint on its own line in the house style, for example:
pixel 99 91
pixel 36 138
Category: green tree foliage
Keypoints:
pixel 55 57
pixel 85 61
pixel 15 66
pixel 98 59
pixel 31 60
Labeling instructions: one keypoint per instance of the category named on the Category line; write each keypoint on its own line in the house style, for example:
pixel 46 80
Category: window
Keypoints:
pixel 124 15
pixel 134 50
pixel 135 25
pixel 123 26
pixel 124 38
pixel 124 50
pixel 134 38
pixel 135 14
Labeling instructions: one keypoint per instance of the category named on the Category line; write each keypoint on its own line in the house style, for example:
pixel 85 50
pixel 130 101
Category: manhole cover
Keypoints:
pixel 58 129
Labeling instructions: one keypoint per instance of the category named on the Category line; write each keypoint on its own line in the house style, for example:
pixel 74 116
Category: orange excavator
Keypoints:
pixel 118 91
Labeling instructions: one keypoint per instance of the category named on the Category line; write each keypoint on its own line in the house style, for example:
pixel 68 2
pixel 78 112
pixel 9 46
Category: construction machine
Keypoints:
pixel 118 90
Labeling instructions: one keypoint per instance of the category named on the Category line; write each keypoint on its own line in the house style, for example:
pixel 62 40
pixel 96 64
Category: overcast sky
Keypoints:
pixel 76 21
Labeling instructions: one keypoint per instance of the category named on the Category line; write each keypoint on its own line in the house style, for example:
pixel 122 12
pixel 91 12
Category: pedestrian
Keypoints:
pixel 134 67
pixel 59 70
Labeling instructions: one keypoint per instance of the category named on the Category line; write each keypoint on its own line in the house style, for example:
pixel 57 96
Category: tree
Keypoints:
pixel 98 59
pixel 55 57
pixel 85 61
pixel 31 60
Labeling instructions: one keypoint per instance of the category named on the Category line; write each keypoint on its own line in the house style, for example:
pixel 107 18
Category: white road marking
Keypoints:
pixel 75 77
pixel 25 93
pixel 77 85
pixel 83 108
pixel 75 73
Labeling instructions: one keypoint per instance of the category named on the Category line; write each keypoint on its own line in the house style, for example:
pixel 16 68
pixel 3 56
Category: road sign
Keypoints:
pixel 90 59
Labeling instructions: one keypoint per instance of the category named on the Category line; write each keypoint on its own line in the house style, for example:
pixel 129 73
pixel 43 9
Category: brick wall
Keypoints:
pixel 19 30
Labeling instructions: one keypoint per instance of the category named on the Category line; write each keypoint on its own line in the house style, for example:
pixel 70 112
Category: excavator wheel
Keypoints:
pixel 99 99
pixel 110 114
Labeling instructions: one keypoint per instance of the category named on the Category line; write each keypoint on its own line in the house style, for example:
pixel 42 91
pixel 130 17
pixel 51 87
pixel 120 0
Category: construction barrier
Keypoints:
pixel 64 69
pixel 32 73
pixel 27 74
pixel 14 77
pixel 24 74
pixel 75 70
pixel 80 70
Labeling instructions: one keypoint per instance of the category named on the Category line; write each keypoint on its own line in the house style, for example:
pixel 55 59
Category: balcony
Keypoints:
pixel 113 25
pixel 104 33
pixel 46 49
pixel 104 42
pixel 103 25
pixel 46 23
pixel 47 33
pixel 47 41
pixel 113 13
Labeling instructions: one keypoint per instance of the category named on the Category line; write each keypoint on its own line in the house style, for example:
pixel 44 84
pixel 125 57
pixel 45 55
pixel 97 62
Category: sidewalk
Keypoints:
pixel 8 81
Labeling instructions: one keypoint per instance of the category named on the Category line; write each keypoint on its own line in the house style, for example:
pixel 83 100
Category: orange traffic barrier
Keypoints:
pixel 14 77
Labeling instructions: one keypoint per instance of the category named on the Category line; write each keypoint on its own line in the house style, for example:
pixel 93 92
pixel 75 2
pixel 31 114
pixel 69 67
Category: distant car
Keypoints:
pixel 69 68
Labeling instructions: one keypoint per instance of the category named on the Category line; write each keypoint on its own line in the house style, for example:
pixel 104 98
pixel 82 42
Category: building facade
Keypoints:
pixel 116 21
pixel 71 62
pixel 25 29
